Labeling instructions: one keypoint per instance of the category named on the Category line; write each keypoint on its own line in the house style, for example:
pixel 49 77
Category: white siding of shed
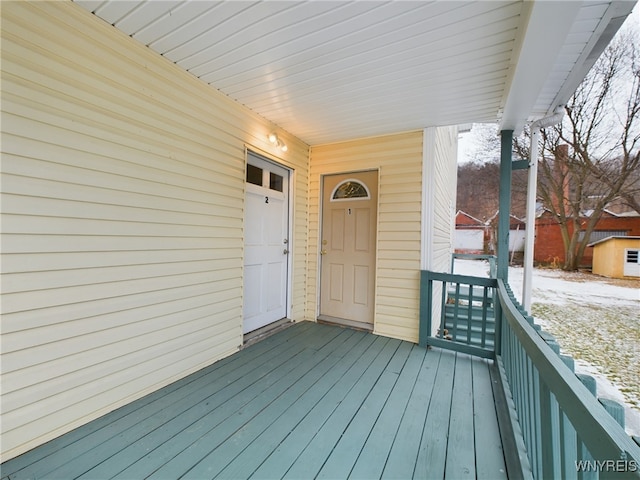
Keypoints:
pixel 517 240
pixel 466 239
pixel 122 230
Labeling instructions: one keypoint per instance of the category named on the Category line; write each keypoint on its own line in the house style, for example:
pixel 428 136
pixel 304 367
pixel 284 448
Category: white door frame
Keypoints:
pixel 290 217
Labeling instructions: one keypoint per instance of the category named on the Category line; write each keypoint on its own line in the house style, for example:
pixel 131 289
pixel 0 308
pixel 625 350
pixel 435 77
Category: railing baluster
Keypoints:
pixel 546 433
pixel 568 440
pixel 535 415
pixel 615 409
pixel 443 312
pixel 497 308
pixel 549 433
pixel 583 452
pixel 456 305
pixel 485 307
pixel 469 313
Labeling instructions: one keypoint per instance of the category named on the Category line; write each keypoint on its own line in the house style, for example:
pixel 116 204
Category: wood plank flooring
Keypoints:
pixel 312 401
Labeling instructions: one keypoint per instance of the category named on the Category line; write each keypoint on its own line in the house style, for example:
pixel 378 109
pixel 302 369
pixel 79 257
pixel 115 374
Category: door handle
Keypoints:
pixel 323 252
pixel 285 251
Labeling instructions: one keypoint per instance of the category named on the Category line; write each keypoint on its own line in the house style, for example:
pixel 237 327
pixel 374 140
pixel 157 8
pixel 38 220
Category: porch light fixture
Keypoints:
pixel 273 138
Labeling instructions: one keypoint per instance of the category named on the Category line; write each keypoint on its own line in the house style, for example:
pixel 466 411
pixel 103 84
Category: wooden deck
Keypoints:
pixel 312 401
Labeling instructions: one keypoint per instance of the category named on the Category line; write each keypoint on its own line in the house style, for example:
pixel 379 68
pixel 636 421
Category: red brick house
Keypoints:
pixel 549 248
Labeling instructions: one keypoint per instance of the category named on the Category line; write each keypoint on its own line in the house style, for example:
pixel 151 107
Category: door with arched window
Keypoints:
pixel 348 247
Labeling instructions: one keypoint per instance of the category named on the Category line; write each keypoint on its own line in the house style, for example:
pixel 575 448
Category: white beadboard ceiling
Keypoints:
pixel 333 70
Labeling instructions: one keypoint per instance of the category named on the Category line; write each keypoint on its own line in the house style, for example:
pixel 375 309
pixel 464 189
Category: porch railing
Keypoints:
pixel 491 259
pixel 467 313
pixel 567 432
pixel 562 429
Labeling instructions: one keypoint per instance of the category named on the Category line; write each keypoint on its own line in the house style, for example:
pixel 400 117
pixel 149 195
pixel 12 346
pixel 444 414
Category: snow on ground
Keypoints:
pixel 595 320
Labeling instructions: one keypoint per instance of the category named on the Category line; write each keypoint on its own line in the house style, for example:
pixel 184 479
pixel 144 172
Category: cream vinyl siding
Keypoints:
pixel 398 158
pixel 442 192
pixel 440 182
pixel 122 220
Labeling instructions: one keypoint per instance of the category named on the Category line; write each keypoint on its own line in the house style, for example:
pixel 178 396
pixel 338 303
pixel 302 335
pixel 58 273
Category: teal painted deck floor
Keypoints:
pixel 312 401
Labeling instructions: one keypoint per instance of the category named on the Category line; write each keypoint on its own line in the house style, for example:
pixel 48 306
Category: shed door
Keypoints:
pixel 631 263
pixel 266 242
pixel 348 246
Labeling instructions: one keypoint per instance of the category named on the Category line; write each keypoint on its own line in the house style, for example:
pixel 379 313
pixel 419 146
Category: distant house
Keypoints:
pixel 471 236
pixel 517 228
pixel 477 237
pixel 549 247
pixel 617 257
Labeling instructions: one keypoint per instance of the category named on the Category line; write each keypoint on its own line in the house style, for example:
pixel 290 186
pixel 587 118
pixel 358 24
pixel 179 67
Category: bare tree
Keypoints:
pixel 479 178
pixel 593 157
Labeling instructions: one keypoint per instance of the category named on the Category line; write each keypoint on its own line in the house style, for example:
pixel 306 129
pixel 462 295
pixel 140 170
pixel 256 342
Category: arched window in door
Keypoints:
pixel 350 189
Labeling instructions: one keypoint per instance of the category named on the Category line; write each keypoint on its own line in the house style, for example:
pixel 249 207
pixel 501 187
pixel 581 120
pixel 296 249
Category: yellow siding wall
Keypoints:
pixel 399 161
pixel 122 230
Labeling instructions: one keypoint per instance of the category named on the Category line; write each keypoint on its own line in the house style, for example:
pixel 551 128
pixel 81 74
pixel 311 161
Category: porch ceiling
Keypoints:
pixel 328 71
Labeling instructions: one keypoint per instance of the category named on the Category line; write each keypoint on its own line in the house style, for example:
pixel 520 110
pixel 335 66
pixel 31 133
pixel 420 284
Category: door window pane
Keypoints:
pixel 254 174
pixel 275 181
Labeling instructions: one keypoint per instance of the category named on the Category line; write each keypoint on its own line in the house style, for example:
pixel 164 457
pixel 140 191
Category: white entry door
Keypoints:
pixel 348 246
pixel 266 242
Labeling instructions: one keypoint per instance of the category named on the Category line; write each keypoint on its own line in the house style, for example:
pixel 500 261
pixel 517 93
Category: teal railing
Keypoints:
pixel 466 313
pixel 491 259
pixel 562 430
pixel 567 432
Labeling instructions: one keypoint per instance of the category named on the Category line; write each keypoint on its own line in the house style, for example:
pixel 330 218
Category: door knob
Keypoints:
pixel 285 251
pixel 323 252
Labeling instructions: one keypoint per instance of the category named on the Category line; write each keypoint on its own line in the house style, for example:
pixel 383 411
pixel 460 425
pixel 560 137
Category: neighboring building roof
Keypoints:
pixel 614 237
pixel 472 218
pixel 629 214
pixel 540 211
pixel 513 220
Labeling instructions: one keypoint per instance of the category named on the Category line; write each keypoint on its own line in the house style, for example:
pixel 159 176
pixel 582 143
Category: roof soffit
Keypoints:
pixel 548 25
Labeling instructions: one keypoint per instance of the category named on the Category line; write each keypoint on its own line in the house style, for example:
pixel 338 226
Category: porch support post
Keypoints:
pixel 504 206
pixel 532 187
